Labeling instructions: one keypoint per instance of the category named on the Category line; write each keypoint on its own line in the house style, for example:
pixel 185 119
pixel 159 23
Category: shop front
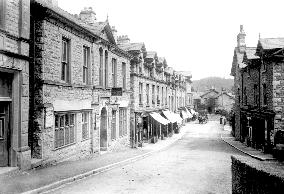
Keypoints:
pixel 256 127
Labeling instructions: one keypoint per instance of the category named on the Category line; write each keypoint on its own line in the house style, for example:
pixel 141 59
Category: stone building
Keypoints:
pixel 258 105
pixel 14 83
pixel 224 101
pixel 188 85
pixel 155 88
pixel 213 100
pixel 80 94
pixel 237 64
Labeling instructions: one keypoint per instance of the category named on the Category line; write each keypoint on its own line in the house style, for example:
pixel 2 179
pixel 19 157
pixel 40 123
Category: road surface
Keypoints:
pixel 197 163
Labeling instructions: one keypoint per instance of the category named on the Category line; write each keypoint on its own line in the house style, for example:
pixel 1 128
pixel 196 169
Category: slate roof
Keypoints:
pixel 132 46
pixel 62 13
pixel 151 54
pixel 250 53
pixel 96 28
pixel 224 93
pixel 271 43
pixel 211 90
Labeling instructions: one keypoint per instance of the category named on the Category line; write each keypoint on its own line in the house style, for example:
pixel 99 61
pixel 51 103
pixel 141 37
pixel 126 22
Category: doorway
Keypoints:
pixel 103 130
pixel 4 134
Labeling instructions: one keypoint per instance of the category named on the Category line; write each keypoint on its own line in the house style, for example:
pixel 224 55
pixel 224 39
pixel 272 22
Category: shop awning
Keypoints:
pixel 172 117
pixel 178 118
pixel 188 113
pixel 169 116
pixel 159 118
pixel 184 114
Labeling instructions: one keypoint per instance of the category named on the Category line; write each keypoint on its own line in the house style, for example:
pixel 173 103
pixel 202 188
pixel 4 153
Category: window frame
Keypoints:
pixel 114 72
pixel 86 65
pixel 264 94
pixel 101 68
pixel 86 122
pixel 106 69
pixel 3 14
pixel 153 95
pixel 113 125
pixel 58 127
pixel 147 94
pixel 256 96
pixel 122 122
pixel 65 60
pixel 123 69
pixel 140 93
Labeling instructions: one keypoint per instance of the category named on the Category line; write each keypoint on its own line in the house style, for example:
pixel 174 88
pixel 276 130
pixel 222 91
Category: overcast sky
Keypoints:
pixel 193 35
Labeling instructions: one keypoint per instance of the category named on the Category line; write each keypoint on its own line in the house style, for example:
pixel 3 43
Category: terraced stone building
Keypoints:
pixel 14 83
pixel 81 91
pixel 258 88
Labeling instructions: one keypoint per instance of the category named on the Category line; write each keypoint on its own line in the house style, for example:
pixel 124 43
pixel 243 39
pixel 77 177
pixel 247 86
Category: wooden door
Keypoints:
pixel 4 134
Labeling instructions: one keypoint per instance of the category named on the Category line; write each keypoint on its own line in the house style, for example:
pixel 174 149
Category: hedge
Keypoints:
pixel 253 176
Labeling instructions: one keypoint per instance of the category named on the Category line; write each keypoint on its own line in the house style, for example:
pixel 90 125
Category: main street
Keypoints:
pixel 199 162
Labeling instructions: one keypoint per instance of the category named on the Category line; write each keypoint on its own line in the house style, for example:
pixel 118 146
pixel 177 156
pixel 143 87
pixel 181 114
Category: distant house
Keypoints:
pixel 212 100
pixel 224 101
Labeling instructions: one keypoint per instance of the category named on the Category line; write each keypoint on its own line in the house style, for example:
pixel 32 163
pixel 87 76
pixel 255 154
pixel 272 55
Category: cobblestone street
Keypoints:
pixel 197 163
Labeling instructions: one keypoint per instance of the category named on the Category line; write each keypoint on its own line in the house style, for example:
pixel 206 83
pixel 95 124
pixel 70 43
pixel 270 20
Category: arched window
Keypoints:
pixel 106 69
pixel 101 81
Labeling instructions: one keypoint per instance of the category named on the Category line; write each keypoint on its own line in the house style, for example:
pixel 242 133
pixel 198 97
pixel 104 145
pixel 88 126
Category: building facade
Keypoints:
pixel 155 87
pixel 14 83
pixel 258 105
pixel 80 98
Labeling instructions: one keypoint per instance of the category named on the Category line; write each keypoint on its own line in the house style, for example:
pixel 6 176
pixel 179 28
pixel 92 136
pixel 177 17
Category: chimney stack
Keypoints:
pixel 241 40
pixel 123 39
pixel 114 32
pixel 88 15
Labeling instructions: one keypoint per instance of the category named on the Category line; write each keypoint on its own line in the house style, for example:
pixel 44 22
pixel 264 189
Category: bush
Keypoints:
pixel 253 176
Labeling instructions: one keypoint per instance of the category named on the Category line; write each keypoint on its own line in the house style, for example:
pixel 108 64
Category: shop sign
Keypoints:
pixel 116 91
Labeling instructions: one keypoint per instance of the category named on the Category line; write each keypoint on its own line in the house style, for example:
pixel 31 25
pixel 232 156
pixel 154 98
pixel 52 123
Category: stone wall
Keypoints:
pixel 48 71
pixel 14 41
pixel 250 78
pixel 278 96
pixel 253 176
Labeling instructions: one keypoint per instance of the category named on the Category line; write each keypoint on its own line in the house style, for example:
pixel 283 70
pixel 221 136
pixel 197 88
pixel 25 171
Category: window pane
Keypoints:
pixel 1 127
pixel 61 137
pixel 2 13
pixel 62 121
pixel 56 138
pixel 64 131
pixel 66 120
pixel 72 119
pixel 72 134
pixel 67 136
pixel 56 121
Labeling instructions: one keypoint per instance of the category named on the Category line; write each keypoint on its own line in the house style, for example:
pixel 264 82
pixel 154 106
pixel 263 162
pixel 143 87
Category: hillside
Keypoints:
pixel 209 82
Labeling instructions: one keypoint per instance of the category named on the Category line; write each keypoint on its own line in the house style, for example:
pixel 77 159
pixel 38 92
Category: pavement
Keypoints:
pixel 257 154
pixel 42 179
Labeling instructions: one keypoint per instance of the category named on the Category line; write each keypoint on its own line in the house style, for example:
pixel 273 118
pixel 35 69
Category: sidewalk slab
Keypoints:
pixel 257 154
pixel 45 178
